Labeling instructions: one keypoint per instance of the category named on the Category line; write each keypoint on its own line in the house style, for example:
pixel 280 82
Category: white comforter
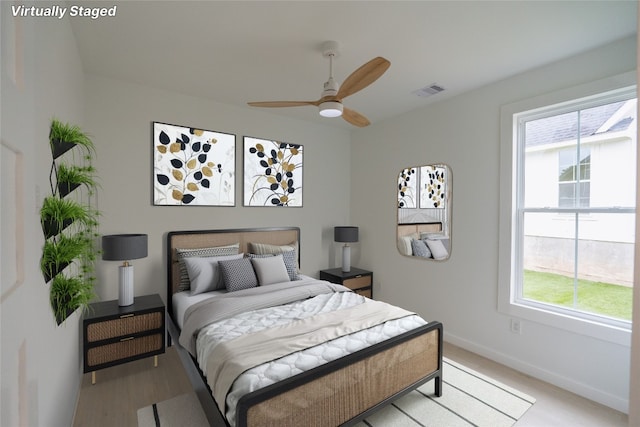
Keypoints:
pixel 292 364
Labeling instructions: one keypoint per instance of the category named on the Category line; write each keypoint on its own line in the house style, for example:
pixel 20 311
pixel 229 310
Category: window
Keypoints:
pixel 568 179
pixel 572 219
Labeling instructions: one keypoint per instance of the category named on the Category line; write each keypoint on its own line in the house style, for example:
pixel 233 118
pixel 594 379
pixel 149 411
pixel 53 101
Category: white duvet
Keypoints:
pixel 295 363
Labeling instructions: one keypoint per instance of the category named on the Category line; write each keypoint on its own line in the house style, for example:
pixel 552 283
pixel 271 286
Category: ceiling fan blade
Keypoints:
pixel 276 104
pixel 363 77
pixel 355 118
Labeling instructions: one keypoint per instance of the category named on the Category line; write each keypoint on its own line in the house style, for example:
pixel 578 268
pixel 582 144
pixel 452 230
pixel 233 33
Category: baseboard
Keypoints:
pixel 565 383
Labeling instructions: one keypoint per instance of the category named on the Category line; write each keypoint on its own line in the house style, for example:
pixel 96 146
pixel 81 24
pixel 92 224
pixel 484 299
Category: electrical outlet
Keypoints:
pixel 516 326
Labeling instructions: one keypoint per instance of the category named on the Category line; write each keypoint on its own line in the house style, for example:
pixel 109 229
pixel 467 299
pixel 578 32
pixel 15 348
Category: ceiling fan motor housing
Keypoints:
pixel 330 88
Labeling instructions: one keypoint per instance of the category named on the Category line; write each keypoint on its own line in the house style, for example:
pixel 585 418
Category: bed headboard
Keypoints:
pixel 210 238
pixel 419 227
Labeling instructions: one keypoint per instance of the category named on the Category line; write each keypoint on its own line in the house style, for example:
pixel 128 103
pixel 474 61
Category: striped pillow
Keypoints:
pixel 182 253
pixel 267 248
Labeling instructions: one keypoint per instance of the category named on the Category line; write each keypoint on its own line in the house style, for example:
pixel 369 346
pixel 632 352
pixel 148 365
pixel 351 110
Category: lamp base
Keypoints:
pixel 125 285
pixel 346 258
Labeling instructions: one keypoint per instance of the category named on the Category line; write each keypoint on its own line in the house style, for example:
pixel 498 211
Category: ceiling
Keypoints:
pixel 234 52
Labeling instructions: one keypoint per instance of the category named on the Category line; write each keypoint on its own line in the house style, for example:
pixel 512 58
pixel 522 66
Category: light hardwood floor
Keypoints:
pixel 119 392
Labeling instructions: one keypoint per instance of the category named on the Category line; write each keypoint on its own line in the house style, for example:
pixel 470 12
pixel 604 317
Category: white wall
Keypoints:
pixel 41 363
pixel 464 132
pixel 120 116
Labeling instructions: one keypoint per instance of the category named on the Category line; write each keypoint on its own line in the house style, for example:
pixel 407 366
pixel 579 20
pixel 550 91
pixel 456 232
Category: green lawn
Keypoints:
pixel 594 297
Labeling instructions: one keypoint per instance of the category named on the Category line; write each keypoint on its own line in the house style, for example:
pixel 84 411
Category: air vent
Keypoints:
pixel 429 90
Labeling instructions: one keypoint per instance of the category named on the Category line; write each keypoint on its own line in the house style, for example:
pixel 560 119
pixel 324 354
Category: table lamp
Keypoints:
pixel 124 247
pixel 346 235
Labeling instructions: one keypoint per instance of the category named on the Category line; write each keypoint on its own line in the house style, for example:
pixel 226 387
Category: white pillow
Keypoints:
pixel 404 245
pixel 438 251
pixel 204 272
pixel 270 270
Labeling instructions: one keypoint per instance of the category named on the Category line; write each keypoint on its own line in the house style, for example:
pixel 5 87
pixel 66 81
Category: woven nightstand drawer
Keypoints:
pixel 114 334
pixel 126 348
pixel 357 282
pixel 126 325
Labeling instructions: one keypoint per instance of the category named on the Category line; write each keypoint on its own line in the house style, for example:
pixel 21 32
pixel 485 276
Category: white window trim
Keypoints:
pixel 508 224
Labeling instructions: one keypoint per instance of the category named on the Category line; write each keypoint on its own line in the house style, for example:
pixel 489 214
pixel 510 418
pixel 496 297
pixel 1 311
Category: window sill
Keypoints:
pixel 605 332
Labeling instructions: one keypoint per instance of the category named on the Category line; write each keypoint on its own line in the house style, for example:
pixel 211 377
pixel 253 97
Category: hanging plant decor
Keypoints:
pixel 69 221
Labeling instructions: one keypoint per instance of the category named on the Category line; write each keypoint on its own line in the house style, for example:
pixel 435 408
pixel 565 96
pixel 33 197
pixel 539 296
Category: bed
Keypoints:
pixel 423 239
pixel 336 373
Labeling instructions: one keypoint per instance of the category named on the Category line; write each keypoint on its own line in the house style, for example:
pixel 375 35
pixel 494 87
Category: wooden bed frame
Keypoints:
pixel 341 392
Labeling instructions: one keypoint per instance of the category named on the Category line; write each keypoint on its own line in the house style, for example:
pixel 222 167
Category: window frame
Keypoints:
pixel 576 183
pixel 606 90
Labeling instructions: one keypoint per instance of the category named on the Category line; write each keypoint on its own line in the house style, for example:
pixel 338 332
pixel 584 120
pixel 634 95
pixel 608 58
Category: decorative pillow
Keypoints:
pixel 204 273
pixel 270 270
pixel 420 248
pixel 437 249
pixel 404 245
pixel 238 274
pixel 267 248
pixel 432 236
pixel 290 262
pixel 181 254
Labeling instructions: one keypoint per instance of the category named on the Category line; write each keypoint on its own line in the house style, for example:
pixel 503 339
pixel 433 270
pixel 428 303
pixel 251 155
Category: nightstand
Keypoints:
pixel 113 335
pixel 361 281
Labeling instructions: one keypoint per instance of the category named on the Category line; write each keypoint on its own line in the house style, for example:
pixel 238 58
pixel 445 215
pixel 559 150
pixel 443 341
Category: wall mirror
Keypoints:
pixel 424 212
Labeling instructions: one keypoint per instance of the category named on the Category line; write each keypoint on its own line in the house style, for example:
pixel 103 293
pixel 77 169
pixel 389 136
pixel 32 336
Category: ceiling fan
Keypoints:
pixel 330 102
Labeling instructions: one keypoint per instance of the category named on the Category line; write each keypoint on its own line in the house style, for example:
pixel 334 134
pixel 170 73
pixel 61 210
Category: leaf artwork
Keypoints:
pixel 433 185
pixel 272 173
pixel 193 166
pixel 407 181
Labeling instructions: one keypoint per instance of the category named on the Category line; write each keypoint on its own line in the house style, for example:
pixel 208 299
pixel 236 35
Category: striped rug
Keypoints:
pixel 468 399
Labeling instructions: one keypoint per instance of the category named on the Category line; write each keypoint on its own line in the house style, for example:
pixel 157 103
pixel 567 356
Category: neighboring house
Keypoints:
pixel 605 177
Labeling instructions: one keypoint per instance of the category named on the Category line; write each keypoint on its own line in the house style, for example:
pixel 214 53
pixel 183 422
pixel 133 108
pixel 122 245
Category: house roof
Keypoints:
pixel 564 127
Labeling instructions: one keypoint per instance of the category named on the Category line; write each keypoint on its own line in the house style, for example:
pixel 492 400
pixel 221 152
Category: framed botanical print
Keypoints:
pixel 407 185
pixel 193 167
pixel 272 173
pixel 433 186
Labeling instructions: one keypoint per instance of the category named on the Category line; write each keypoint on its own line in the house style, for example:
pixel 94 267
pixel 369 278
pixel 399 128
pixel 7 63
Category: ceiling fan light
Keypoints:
pixel 331 109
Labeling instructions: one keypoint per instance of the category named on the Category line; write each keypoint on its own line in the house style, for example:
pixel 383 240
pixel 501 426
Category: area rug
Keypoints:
pixel 468 399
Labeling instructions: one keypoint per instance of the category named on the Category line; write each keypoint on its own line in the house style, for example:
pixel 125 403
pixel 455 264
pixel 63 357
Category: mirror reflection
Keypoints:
pixel 424 212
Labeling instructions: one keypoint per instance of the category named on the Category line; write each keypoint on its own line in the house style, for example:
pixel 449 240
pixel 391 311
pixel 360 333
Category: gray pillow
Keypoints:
pixel 181 254
pixel 238 274
pixel 270 270
pixel 420 249
pixel 204 272
pixel 290 262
